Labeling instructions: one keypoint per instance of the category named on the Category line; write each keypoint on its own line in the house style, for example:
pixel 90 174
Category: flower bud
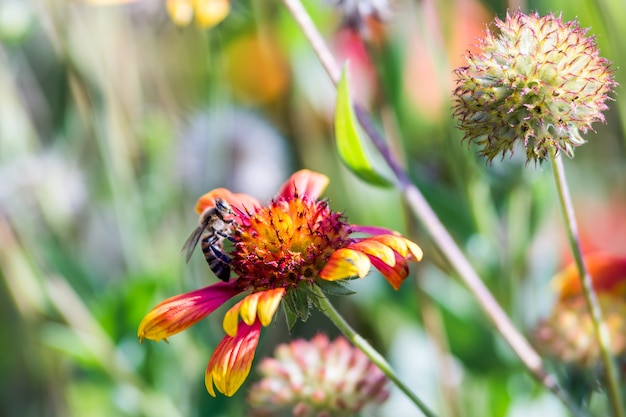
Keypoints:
pixel 317 379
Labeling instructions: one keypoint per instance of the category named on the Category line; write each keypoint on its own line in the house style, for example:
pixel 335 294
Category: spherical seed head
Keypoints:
pixel 286 243
pixel 538 81
pixel 317 378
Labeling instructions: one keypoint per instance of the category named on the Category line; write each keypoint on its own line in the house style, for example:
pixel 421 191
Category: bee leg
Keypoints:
pixel 222 234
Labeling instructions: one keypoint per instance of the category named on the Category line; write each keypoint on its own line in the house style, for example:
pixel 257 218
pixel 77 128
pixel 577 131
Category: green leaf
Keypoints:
pixel 338 288
pixel 291 317
pixel 298 302
pixel 349 145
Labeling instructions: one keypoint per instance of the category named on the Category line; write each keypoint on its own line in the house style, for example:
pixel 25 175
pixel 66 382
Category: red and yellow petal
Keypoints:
pixel 396 274
pixel 240 201
pixel 247 308
pixel 260 306
pixel 268 304
pixel 375 249
pixel 182 311
pixel 402 245
pixel 345 263
pixel 388 253
pixel 304 183
pixel 416 253
pixel 231 320
pixel 608 274
pixel 231 361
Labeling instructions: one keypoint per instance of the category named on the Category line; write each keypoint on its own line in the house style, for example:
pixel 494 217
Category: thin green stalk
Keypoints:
pixel 358 341
pixel 601 331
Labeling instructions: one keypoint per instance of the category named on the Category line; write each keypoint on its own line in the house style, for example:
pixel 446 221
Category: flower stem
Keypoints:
pixel 358 341
pixel 601 331
pixel 442 238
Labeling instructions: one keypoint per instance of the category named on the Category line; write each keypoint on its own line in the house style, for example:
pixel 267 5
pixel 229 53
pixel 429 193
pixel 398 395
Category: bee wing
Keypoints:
pixel 192 242
pixel 194 238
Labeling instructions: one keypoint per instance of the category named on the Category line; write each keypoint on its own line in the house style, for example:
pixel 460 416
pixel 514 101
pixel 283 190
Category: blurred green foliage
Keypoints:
pixel 113 121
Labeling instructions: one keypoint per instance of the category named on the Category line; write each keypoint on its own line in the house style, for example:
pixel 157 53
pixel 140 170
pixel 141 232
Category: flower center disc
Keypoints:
pixel 285 243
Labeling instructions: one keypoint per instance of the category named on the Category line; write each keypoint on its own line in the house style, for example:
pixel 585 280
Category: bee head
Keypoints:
pixel 222 206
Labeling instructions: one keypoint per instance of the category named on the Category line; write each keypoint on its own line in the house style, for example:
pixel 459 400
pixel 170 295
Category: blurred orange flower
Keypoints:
pixel 270 76
pixel 608 274
pixel 568 334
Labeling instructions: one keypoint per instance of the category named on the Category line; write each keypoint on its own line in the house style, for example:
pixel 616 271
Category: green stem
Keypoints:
pixel 358 341
pixel 600 328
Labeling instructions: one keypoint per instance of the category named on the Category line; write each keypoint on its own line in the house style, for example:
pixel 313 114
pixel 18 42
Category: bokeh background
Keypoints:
pixel 113 121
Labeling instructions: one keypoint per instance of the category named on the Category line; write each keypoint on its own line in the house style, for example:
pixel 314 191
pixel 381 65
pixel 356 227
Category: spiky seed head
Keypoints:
pixel 535 81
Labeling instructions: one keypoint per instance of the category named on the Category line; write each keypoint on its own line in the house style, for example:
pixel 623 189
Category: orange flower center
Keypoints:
pixel 286 243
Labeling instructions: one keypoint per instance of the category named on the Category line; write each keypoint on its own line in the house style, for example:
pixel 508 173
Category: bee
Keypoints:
pixel 213 228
